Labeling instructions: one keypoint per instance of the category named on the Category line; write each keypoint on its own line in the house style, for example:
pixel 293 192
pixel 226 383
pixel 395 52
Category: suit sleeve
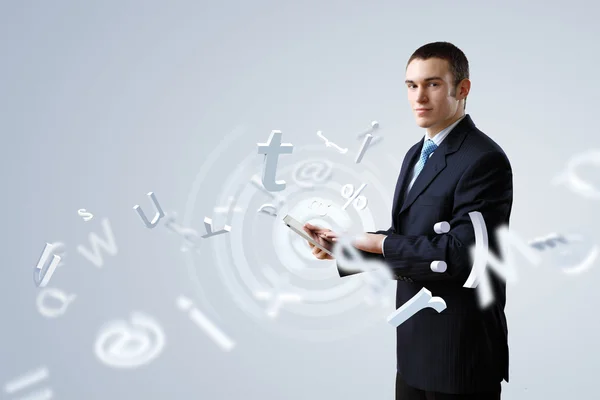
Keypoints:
pixel 486 187
pixel 365 255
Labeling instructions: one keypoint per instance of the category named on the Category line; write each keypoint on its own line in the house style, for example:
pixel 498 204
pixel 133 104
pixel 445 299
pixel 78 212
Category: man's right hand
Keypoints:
pixel 317 233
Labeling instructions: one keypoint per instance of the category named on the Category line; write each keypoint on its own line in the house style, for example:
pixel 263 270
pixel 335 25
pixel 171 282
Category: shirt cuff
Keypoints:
pixel 383 246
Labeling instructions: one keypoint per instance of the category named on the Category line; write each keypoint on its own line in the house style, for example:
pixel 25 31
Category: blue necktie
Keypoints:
pixel 428 148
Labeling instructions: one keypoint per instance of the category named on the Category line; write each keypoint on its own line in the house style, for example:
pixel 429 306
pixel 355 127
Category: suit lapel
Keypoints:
pixel 407 164
pixel 435 165
pixel 437 161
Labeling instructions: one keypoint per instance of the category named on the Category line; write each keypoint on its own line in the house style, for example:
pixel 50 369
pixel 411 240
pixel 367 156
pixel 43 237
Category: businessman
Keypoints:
pixel 462 352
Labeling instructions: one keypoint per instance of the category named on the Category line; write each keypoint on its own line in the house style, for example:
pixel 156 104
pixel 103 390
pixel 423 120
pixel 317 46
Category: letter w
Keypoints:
pixel 94 256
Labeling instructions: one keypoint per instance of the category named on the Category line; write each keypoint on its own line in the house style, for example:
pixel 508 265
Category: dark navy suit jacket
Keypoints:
pixel 463 349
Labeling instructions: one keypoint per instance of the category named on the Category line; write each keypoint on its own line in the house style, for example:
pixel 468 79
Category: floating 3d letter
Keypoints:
pixel 363 148
pixel 41 277
pixel 268 209
pixel 185 304
pixel 159 212
pixel 57 306
pixel 94 256
pixel 576 183
pixel 482 256
pixel 419 301
pixel 272 149
pixel 209 228
pixel 371 142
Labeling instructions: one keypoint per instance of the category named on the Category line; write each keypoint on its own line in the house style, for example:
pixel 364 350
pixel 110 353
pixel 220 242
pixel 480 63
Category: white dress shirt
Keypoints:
pixel 437 139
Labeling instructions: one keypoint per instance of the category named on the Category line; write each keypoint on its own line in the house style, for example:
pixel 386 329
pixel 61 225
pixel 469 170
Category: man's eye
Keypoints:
pixel 432 83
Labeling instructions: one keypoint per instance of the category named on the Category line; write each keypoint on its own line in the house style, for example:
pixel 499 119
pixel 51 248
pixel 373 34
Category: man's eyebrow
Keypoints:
pixel 433 78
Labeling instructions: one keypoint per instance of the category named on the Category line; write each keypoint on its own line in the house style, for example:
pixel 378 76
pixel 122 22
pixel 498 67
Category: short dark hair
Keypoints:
pixel 459 65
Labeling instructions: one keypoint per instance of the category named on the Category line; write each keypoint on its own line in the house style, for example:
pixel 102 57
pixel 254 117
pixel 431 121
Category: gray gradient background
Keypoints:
pixel 102 102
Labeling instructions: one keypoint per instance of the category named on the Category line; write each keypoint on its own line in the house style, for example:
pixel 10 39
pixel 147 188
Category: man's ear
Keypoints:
pixel 464 87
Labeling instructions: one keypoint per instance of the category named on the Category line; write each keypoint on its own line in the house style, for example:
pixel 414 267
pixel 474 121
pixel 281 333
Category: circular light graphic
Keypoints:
pixel 269 270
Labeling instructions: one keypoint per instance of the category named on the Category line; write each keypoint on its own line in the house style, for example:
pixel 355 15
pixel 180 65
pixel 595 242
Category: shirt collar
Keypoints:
pixel 437 139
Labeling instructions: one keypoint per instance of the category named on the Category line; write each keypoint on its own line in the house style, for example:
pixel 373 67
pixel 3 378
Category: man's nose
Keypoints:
pixel 421 96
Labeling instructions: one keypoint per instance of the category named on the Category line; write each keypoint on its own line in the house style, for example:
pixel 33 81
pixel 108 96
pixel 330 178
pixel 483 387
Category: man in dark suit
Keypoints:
pixel 462 352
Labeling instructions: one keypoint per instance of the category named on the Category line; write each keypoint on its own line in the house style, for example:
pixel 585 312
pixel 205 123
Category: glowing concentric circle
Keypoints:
pixel 324 294
pixel 331 307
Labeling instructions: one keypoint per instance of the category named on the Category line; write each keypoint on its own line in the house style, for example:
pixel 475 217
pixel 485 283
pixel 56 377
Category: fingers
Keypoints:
pixel 326 239
pixel 311 227
pixel 322 235
pixel 320 254
pixel 315 228
pixel 308 231
pixel 330 236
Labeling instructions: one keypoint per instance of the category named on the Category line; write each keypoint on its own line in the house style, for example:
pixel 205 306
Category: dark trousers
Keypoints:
pixel 406 392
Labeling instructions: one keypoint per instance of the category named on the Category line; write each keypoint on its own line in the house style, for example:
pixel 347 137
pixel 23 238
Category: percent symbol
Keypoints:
pixel 360 202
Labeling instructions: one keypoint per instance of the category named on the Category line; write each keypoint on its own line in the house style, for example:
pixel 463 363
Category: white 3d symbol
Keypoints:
pixel 573 181
pixel 27 380
pixel 120 345
pixel 58 295
pixel 41 277
pixel 419 301
pixel 205 324
pixel 157 216
pixel 363 148
pixel 94 256
pixel 369 140
pixel 268 209
pixel 82 212
pixel 272 149
pixel 309 173
pixel 321 207
pixel 577 245
pixel 482 256
pixel 62 254
pixel 331 144
pixel 209 228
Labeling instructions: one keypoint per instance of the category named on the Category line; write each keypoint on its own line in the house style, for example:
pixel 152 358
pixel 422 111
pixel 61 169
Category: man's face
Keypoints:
pixel 430 86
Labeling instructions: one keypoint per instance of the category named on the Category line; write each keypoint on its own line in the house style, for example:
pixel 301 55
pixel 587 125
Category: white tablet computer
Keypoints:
pixel 297 227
